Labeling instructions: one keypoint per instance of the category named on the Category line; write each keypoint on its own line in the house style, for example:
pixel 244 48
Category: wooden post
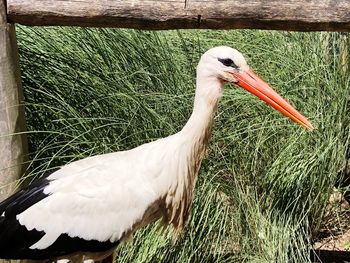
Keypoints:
pixel 13 148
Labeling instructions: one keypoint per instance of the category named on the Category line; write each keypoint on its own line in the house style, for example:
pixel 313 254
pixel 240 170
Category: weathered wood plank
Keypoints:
pixel 301 15
pixel 12 147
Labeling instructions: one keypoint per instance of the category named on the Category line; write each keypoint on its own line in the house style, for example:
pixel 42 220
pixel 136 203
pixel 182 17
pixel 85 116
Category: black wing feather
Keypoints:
pixel 16 240
pixel 13 236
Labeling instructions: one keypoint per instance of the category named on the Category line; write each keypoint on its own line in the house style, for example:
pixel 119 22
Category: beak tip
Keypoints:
pixel 310 127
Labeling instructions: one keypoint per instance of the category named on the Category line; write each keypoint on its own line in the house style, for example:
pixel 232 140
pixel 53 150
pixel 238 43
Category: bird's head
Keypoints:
pixel 228 65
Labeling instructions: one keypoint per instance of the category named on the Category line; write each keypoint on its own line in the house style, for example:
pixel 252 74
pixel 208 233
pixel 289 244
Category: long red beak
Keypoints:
pixel 255 85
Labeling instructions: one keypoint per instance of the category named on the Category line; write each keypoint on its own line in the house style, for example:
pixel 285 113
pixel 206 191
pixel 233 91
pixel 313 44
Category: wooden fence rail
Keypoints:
pixel 299 15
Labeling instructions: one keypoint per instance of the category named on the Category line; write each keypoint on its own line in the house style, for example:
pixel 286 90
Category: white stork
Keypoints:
pixel 87 207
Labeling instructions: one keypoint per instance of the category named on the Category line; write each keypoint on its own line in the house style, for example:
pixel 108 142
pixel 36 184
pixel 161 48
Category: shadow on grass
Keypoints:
pixel 329 256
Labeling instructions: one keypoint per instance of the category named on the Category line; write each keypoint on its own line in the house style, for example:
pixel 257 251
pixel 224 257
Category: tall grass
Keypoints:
pixel 265 182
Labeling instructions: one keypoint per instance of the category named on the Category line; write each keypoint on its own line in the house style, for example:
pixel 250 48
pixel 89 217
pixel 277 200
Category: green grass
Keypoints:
pixel 265 182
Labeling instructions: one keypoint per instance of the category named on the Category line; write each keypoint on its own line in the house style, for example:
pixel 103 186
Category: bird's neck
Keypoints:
pixel 197 131
pixel 193 140
pixel 198 127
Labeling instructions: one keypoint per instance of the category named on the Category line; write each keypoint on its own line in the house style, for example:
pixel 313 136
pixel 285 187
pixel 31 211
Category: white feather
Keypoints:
pixel 103 194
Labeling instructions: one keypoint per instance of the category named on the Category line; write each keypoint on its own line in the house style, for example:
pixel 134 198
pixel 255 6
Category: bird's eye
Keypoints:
pixel 227 62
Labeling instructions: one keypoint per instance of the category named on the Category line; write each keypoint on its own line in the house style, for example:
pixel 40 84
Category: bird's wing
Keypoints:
pixel 97 199
pixel 13 236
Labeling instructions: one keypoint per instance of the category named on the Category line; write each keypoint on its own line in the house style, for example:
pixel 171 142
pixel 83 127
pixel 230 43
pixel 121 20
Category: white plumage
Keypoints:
pixel 106 194
pixel 107 197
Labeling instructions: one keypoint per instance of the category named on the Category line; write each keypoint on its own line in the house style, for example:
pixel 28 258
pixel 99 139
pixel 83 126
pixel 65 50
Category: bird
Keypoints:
pixel 86 208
